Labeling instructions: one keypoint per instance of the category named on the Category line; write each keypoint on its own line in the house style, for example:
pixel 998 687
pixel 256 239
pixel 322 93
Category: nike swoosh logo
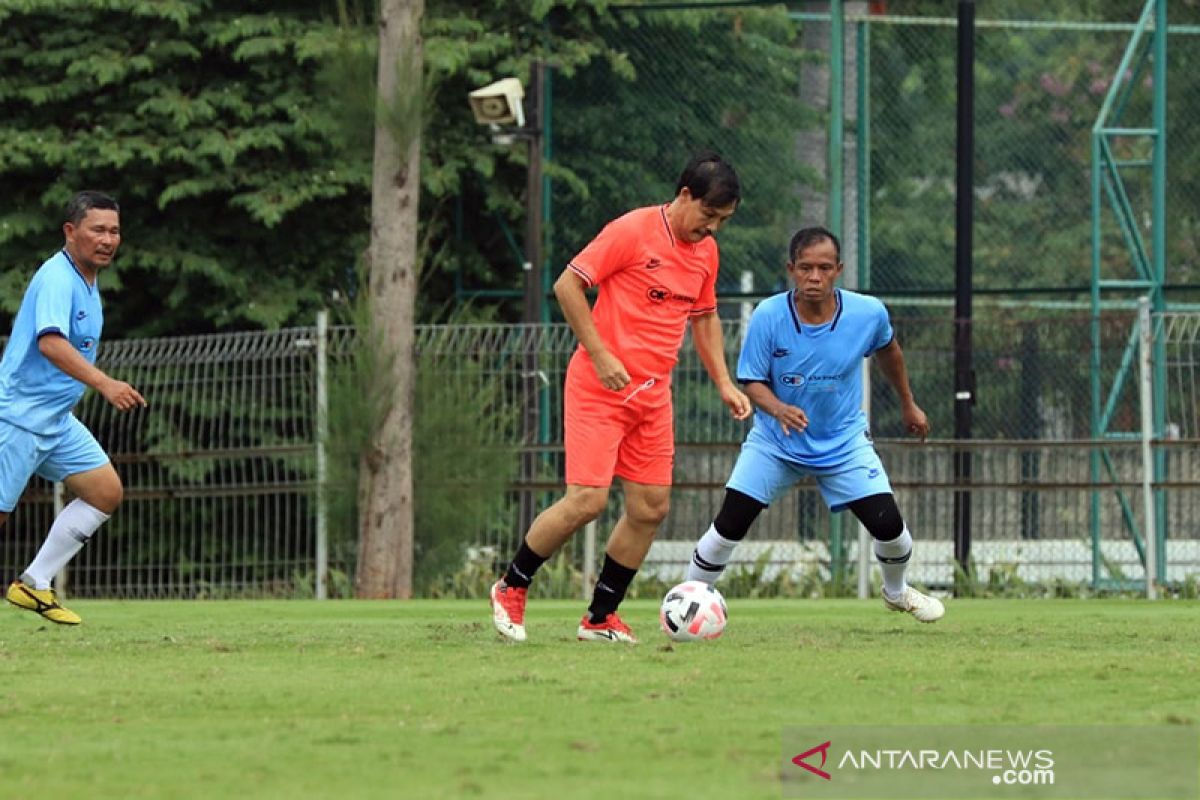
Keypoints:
pixel 611 635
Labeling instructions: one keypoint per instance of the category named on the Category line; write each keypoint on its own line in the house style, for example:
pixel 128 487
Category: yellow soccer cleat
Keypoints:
pixel 43 601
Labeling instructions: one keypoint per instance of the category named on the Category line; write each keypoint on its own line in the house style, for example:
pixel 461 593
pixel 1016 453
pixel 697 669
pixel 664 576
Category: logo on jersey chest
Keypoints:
pixel 661 294
pixel 816 383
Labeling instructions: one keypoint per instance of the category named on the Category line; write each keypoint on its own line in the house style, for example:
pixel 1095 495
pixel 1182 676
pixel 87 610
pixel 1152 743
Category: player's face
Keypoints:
pixel 814 271
pixel 94 241
pixel 699 219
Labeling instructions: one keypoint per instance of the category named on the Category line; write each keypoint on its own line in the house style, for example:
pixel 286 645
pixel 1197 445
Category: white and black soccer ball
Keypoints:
pixel 691 611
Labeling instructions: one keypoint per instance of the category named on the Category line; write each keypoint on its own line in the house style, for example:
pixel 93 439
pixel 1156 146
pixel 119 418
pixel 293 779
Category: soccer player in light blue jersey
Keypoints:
pixel 48 364
pixel 801 365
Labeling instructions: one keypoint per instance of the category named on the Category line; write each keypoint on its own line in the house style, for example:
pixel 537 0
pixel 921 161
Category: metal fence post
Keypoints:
pixel 589 558
pixel 1146 398
pixel 866 544
pixel 60 502
pixel 322 556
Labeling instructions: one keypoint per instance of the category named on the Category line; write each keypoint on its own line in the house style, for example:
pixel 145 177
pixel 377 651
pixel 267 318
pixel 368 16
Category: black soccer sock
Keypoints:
pixel 610 589
pixel 523 567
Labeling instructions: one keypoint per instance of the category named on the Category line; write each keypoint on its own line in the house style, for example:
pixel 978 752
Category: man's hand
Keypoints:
pixel 736 399
pixel 915 421
pixel 610 371
pixel 791 418
pixel 121 395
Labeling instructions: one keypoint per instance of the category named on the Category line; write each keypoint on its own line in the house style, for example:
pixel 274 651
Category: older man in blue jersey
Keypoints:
pixel 48 364
pixel 801 364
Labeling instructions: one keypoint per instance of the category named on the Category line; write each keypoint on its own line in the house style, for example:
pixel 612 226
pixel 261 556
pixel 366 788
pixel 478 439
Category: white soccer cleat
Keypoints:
pixel 508 611
pixel 921 606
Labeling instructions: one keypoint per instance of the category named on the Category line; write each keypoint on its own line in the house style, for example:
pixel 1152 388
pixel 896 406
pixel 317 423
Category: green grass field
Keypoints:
pixel 387 699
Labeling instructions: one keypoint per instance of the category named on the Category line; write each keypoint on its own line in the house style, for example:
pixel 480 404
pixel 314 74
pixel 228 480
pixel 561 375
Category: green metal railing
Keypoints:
pixel 1112 155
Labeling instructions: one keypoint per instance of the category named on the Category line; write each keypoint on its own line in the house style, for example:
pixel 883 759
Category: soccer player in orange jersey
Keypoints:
pixel 656 271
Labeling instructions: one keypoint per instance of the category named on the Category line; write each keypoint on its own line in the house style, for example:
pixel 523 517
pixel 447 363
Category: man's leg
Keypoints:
pixel 646 506
pixel 76 458
pixel 554 526
pixel 715 549
pixel 860 483
pixel 97 492
pixel 757 477
pixel 549 531
pixel 893 548
pixel 594 426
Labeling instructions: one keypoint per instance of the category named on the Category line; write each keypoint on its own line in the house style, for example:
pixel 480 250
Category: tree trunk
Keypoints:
pixel 385 555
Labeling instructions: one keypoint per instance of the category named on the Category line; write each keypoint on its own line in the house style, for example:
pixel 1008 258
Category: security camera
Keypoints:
pixel 499 102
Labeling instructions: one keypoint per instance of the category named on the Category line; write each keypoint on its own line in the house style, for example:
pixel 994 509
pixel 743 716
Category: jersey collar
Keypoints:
pixel 662 210
pixel 837 315
pixel 74 266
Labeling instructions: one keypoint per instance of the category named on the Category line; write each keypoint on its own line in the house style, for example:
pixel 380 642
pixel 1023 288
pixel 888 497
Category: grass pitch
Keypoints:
pixel 420 700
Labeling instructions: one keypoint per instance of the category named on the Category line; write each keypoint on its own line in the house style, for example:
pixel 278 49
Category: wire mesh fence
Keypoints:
pixel 220 469
pixel 763 94
pixel 218 472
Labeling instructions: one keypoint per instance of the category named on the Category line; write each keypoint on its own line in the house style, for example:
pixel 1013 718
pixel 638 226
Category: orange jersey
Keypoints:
pixel 650 285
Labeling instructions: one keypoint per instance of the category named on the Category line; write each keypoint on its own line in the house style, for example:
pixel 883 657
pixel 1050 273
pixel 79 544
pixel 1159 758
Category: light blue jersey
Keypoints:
pixel 817 368
pixel 34 394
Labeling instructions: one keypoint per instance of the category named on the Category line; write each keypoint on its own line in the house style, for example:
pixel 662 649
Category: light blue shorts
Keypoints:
pixel 24 454
pixel 763 474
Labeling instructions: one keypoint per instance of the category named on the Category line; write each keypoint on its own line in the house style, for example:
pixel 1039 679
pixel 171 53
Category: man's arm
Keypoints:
pixel 789 417
pixel 569 289
pixel 710 346
pixel 59 352
pixel 891 363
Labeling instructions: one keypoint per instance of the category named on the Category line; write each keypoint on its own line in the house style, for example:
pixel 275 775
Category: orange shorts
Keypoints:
pixel 628 434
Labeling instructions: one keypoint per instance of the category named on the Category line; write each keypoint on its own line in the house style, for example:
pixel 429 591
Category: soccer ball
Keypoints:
pixel 691 611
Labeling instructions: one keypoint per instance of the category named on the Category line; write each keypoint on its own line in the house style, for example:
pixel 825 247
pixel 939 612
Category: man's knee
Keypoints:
pixel 101 489
pixel 880 515
pixel 585 503
pixel 650 509
pixel 737 514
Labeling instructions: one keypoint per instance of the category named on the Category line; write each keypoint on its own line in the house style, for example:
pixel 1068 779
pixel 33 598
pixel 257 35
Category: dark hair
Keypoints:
pixel 83 202
pixel 807 237
pixel 711 180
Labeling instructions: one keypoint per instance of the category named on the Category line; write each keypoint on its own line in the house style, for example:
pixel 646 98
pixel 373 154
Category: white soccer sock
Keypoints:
pixel 893 561
pixel 70 531
pixel 710 557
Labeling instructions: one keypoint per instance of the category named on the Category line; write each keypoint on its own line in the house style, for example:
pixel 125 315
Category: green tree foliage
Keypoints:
pixel 207 122
pixel 239 143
